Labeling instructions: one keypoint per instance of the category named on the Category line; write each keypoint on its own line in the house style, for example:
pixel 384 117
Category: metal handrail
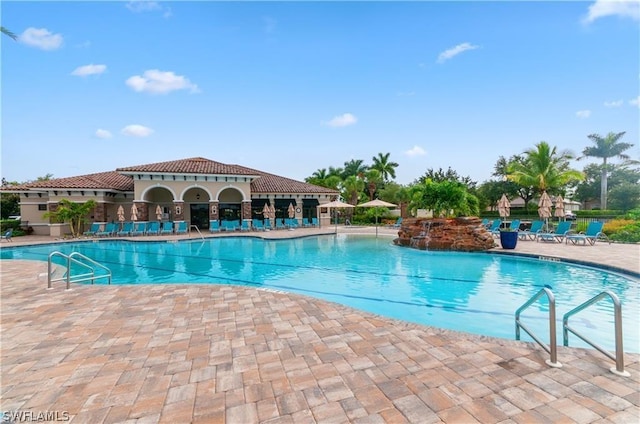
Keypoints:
pixel 617 312
pixel 197 229
pixel 552 349
pixel 89 276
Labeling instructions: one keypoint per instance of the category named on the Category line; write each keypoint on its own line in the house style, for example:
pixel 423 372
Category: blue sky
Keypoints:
pixel 291 87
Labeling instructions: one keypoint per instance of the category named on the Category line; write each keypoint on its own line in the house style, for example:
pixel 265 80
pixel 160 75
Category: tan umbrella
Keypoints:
pixel 544 207
pixel 120 213
pixel 266 211
pixel 504 206
pixel 134 212
pixel 272 212
pixel 559 212
pixel 159 212
pixel 377 203
pixel 336 204
pixel 291 211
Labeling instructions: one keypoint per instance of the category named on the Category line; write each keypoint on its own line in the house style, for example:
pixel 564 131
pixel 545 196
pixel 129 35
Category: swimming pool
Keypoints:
pixel 472 292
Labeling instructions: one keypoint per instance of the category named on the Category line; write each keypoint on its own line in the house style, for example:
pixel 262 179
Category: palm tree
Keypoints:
pixel 8 33
pixel 605 148
pixel 354 167
pixel 387 169
pixel 544 169
pixel 373 179
pixel 352 186
pixel 73 213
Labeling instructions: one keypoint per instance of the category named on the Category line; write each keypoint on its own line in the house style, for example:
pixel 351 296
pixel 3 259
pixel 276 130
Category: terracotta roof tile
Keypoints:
pixel 101 181
pixel 269 183
pixel 190 166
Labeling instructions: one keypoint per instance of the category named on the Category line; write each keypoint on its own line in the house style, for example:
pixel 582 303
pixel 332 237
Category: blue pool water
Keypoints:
pixel 473 292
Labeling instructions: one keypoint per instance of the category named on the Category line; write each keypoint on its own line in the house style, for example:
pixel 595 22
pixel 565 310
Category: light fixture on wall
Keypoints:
pixel 198 196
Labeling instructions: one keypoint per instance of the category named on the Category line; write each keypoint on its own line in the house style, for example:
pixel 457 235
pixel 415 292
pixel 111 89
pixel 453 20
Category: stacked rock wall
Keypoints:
pixel 465 234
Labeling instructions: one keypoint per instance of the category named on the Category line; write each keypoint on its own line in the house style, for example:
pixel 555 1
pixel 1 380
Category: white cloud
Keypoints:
pixel 141 6
pixel 270 24
pixel 158 82
pixel 454 51
pixel 583 114
pixel 103 134
pixel 621 8
pixel 635 102
pixel 343 120
pixel 614 103
pixel 137 131
pixel 415 151
pixel 83 71
pixel 41 38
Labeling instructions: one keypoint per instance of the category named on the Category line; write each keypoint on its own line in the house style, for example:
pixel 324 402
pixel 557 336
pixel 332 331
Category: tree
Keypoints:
pixel 352 186
pixel 323 178
pixel 589 189
pixel 605 148
pixel 510 188
pixel 444 198
pixel 625 196
pixel 544 169
pixel 384 166
pixel 373 180
pixel 395 193
pixel 8 33
pixel 450 175
pixel 354 167
pixel 73 213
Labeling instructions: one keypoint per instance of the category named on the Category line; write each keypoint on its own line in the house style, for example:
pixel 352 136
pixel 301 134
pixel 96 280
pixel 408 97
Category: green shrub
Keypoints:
pixel 628 234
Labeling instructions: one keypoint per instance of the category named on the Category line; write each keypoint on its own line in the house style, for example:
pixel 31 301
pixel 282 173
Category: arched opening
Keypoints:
pixel 162 197
pixel 230 204
pixel 196 207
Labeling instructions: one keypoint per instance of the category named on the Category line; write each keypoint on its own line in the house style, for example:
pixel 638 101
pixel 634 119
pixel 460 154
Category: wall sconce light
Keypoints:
pixel 198 196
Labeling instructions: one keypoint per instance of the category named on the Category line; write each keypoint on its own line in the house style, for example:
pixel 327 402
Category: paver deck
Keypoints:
pixel 207 353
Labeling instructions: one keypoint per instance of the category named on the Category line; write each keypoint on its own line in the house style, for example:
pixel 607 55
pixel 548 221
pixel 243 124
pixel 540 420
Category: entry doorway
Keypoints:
pixel 200 215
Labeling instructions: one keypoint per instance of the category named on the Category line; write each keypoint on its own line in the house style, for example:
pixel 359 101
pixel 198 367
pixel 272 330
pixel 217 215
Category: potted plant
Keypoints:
pixel 508 238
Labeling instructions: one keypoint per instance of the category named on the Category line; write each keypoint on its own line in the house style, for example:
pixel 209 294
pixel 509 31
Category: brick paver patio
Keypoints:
pixel 207 353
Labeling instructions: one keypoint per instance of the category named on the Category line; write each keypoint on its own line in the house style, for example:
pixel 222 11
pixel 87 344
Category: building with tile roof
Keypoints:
pixel 195 190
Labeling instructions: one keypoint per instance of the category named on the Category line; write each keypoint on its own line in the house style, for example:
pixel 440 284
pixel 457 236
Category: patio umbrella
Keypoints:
pixel 159 212
pixel 335 205
pixel 120 214
pixel 266 211
pixel 291 211
pixel 559 212
pixel 376 204
pixel 134 212
pixel 544 207
pixel 504 207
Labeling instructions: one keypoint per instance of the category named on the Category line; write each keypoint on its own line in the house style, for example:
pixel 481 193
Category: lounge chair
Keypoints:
pixel 486 222
pixel 153 228
pixel 95 227
pixel 293 223
pixel 167 228
pixel 306 223
pixel 591 235
pixel 257 224
pixel 314 222
pixel 109 230
pixel 279 224
pixel 495 226
pixel 7 235
pixel 513 226
pixel 126 229
pixel 214 226
pixel 182 227
pixel 558 236
pixel 531 233
pixel 139 229
pixel 267 224
pixel 397 224
pixel 245 226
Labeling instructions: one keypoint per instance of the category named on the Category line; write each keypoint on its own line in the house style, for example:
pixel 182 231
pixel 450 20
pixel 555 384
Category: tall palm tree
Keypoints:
pixel 384 166
pixel 605 148
pixel 354 167
pixel 352 186
pixel 373 180
pixel 544 169
pixel 8 33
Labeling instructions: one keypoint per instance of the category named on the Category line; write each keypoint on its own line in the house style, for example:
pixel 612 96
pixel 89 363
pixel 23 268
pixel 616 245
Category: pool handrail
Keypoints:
pixel 617 312
pixel 552 349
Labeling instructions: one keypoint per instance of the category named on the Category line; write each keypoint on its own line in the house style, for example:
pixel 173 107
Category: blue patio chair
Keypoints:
pixel 167 228
pixel 109 230
pixel 513 226
pixel 214 226
pixel 257 225
pixel 591 235
pixel 153 228
pixel 267 224
pixel 7 235
pixel 279 224
pixel 182 227
pixel 531 233
pixel 314 222
pixel 139 229
pixel 306 223
pixel 126 229
pixel 495 226
pixel 558 236
pixel 486 222
pixel 245 225
pixel 293 223
pixel 95 227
